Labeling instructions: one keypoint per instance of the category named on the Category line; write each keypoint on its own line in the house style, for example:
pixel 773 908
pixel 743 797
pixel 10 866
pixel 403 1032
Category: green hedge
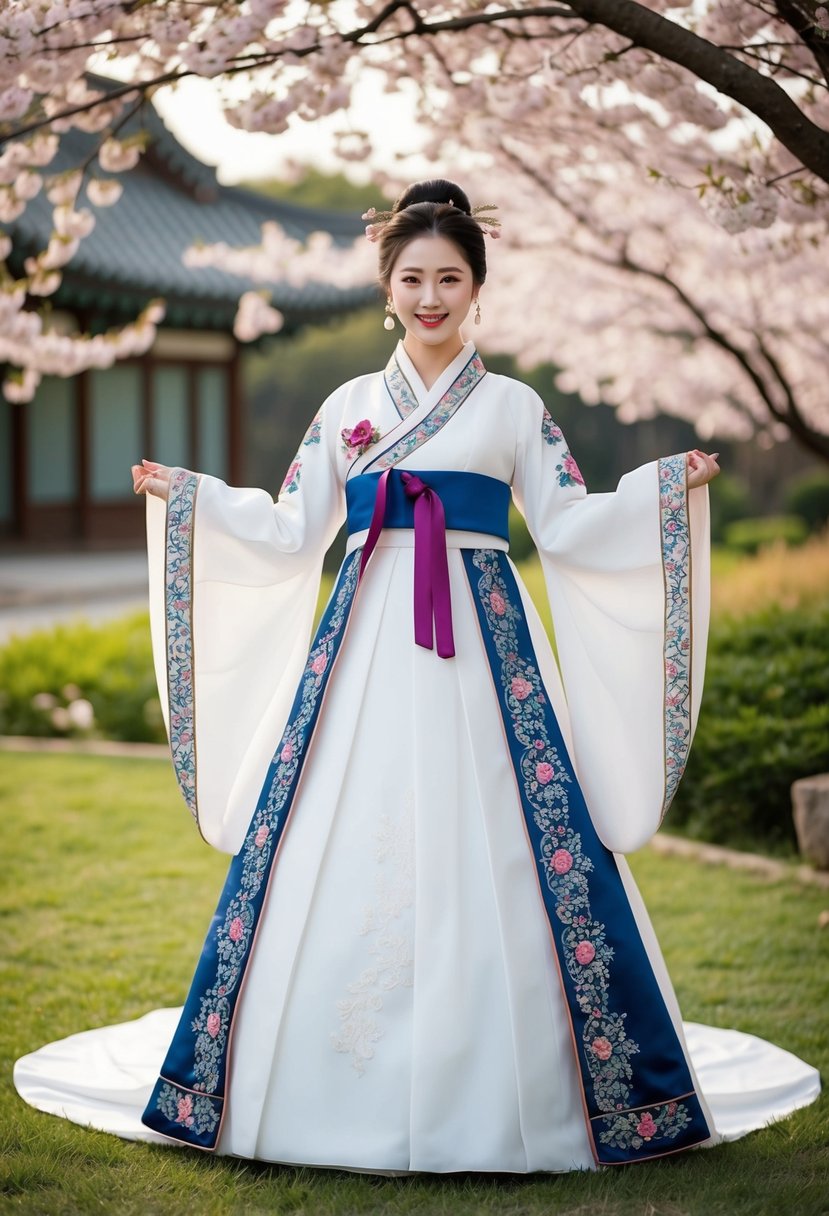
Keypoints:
pixel 50 679
pixel 751 535
pixel 764 723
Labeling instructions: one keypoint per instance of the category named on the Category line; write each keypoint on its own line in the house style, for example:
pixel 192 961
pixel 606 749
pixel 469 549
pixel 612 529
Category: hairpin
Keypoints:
pixel 378 220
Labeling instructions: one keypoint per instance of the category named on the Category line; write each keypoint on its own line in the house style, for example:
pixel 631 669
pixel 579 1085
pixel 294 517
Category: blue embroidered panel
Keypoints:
pixel 637 1086
pixel 399 389
pixel 438 416
pixel 187 1100
pixel 676 568
pixel 178 605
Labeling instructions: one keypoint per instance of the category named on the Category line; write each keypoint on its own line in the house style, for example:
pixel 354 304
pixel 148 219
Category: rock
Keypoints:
pixel 810 808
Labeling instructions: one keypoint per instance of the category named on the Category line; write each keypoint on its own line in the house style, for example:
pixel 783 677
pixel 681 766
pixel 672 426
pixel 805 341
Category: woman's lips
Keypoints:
pixel 431 321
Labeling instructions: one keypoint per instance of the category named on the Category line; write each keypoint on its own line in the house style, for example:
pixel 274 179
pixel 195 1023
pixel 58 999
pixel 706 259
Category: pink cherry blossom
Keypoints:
pixel 287 752
pixel 261 836
pixel 602 1048
pixel 214 1024
pixel 544 772
pixel 585 953
pixel 185 1109
pixel 236 931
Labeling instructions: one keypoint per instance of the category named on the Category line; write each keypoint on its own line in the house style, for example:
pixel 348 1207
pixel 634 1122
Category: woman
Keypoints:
pixel 444 964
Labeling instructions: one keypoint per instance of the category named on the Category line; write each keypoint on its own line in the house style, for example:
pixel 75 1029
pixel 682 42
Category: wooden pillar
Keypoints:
pixel 20 473
pixel 84 455
pixel 237 473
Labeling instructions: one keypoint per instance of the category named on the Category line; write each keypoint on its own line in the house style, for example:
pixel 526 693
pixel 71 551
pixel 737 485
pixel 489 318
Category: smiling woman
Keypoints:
pixel 428 912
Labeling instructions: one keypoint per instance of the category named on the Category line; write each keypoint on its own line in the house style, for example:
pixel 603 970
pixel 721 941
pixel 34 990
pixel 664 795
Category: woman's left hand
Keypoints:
pixel 701 467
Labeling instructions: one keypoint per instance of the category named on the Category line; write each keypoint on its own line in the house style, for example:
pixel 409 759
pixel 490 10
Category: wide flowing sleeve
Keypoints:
pixel 234 580
pixel 628 579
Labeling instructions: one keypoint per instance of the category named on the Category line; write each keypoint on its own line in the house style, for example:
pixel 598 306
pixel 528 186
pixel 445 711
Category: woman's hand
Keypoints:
pixel 701 467
pixel 151 478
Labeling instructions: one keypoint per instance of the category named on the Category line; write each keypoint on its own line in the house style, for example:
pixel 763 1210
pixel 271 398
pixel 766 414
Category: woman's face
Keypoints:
pixel 432 288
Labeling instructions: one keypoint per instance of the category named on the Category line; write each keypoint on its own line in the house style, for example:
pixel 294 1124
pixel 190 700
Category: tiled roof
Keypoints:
pixel 172 200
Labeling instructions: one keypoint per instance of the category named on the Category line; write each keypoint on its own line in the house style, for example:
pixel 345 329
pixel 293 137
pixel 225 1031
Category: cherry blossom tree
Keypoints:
pixel 663 169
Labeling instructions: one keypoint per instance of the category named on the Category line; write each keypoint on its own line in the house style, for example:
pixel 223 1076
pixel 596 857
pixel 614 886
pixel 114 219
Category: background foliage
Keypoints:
pixel 764 722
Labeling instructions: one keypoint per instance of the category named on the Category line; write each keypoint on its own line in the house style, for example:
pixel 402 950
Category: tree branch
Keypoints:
pixel 725 72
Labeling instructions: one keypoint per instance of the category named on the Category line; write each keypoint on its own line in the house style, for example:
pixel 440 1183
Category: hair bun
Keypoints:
pixel 438 191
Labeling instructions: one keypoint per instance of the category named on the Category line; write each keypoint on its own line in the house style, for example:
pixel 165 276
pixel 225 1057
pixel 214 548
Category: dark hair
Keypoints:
pixel 436 208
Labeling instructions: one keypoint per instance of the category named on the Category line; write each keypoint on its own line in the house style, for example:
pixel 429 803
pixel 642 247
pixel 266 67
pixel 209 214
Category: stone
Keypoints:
pixel 810 808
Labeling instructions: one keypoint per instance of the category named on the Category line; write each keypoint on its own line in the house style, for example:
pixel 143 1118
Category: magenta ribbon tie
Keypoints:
pixel 432 597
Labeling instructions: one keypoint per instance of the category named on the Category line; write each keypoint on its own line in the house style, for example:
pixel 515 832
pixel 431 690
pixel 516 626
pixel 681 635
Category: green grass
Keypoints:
pixel 107 894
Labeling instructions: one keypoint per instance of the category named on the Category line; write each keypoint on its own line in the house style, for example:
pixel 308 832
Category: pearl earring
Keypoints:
pixel 477 312
pixel 389 321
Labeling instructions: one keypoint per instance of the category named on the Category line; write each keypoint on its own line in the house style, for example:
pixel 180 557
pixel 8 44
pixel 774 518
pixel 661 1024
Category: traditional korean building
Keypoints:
pixel 65 457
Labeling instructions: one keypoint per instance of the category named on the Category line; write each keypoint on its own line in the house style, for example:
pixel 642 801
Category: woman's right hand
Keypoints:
pixel 151 478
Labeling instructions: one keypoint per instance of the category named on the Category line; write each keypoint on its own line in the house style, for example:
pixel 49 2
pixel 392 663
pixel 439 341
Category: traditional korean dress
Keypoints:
pixel 429 954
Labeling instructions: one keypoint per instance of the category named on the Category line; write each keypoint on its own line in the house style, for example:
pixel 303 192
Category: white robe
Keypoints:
pixel 401 1009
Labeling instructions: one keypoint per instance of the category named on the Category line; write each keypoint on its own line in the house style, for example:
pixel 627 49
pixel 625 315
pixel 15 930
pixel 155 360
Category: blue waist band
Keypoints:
pixel 473 502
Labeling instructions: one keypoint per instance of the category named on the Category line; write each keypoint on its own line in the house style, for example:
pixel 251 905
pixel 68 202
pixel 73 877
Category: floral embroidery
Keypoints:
pixel 314 432
pixel 399 389
pixel 193 1111
pixel 446 408
pixel 551 432
pixel 291 481
pixel 636 1129
pixel 233 936
pixel 568 472
pixel 391 952
pixel 179 625
pixel 565 865
pixel 358 438
pixel 676 558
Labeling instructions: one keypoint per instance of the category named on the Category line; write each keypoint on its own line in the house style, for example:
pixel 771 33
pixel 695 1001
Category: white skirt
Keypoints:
pixel 402 1011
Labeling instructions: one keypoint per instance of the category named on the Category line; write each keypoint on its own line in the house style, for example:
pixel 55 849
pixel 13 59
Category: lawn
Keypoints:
pixel 96 851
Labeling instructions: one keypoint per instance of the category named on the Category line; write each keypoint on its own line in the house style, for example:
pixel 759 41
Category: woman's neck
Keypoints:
pixel 431 361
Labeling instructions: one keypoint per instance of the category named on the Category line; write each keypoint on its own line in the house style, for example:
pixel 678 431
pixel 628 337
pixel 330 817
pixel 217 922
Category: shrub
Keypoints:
pixel 808 497
pixel 750 535
pixel 764 723
pixel 48 677
pixel 730 500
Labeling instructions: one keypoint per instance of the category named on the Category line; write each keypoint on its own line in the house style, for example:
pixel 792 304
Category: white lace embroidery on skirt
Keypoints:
pixel 391 951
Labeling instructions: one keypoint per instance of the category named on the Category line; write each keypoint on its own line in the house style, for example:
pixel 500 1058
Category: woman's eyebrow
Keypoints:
pixel 418 270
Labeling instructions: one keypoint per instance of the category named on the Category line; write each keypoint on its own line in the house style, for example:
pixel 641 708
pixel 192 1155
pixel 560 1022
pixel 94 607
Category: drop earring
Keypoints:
pixel 477 312
pixel 389 321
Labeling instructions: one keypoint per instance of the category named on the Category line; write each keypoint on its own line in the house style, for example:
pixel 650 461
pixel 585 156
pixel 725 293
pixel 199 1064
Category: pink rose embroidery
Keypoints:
pixel 497 603
pixel 520 688
pixel 544 772
pixel 287 752
pixel 214 1024
pixel 646 1126
pixel 585 953
pixel 602 1048
pixel 185 1109
pixel 562 861
pixel 319 664
pixel 261 836
pixel 236 930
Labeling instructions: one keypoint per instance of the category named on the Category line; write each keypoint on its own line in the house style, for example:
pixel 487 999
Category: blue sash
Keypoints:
pixel 472 502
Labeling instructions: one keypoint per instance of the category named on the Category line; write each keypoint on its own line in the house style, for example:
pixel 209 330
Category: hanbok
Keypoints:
pixel 429 953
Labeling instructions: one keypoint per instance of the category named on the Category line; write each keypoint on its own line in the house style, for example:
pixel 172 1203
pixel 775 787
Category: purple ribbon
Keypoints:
pixel 432 598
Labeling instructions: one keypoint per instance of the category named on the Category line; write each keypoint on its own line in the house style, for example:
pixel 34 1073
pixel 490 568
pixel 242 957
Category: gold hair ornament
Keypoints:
pixel 488 223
